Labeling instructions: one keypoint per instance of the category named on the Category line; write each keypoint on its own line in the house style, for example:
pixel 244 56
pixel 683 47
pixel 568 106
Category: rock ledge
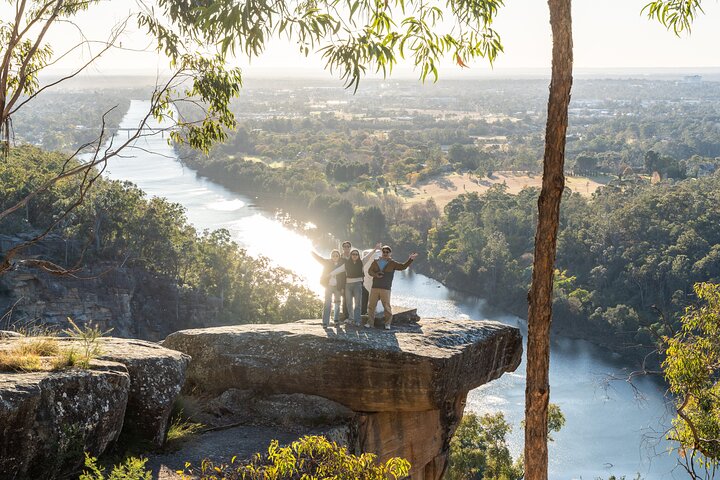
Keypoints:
pixel 406 387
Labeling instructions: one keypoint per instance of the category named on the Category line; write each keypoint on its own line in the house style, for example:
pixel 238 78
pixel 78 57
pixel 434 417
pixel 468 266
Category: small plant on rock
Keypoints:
pixel 88 337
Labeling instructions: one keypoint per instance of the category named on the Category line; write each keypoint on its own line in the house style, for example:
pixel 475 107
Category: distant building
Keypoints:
pixel 692 79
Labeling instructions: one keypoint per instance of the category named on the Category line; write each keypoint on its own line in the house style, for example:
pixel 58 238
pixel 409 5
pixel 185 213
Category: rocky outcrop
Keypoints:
pixel 156 377
pixel 406 387
pixel 49 419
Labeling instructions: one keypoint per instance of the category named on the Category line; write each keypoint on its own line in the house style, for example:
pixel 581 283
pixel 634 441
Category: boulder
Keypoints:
pixel 49 419
pixel 156 377
pixel 406 387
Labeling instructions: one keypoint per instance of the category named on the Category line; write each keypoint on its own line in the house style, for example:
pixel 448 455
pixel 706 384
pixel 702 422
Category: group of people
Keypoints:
pixel 344 278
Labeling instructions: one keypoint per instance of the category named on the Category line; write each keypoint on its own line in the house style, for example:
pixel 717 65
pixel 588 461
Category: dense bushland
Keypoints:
pixel 117 225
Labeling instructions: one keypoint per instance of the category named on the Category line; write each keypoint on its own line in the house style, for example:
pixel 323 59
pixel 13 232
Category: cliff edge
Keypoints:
pixel 403 391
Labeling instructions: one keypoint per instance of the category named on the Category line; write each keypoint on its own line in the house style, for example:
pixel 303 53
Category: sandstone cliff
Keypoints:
pixel 397 393
pixel 132 302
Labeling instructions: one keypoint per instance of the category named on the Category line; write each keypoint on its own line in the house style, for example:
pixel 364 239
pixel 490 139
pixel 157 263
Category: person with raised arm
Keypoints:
pixel 383 271
pixel 333 282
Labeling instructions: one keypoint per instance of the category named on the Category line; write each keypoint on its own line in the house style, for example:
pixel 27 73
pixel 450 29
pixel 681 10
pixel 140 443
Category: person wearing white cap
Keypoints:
pixel 383 270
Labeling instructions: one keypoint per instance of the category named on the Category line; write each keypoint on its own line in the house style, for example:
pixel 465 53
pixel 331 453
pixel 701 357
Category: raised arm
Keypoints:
pixel 318 257
pixel 405 265
pixel 370 254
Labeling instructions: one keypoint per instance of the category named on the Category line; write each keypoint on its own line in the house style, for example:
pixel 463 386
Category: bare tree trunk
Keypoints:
pixel 537 389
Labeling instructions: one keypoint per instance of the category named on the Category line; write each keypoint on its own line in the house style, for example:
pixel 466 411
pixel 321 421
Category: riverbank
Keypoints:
pixel 605 423
pixel 511 297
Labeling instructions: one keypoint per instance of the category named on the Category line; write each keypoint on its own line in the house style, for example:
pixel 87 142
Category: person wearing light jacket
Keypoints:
pixel 333 279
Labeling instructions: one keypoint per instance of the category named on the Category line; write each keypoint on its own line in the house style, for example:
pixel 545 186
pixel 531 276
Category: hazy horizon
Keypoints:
pixel 609 39
pixel 139 79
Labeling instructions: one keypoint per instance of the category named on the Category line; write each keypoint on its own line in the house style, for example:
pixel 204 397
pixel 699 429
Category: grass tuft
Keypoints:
pixel 31 355
pixel 44 353
pixel 182 429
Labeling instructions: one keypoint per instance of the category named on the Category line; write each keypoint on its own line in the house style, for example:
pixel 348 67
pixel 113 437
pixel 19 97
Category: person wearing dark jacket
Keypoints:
pixel 383 271
pixel 345 257
pixel 354 276
pixel 333 279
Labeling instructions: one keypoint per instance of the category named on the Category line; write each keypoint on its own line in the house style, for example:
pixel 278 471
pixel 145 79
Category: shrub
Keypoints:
pixel 308 457
pixel 132 468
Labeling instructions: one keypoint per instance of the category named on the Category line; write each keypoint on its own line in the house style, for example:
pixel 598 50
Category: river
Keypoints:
pixel 612 427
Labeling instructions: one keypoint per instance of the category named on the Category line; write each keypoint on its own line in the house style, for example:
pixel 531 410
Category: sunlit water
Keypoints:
pixel 611 428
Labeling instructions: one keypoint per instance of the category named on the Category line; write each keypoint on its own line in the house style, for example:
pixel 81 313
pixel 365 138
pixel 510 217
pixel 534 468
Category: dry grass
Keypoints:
pixel 44 353
pixel 447 187
pixel 36 354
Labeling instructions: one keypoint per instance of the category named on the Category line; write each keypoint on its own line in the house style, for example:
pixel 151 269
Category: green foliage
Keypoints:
pixel 675 15
pixel 556 419
pixel 481 241
pixel 309 457
pixel 351 35
pixel 692 370
pixel 131 469
pixel 479 451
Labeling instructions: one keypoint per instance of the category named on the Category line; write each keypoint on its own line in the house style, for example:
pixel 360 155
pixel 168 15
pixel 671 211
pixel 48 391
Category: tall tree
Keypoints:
pixel 675 15
pixel 537 387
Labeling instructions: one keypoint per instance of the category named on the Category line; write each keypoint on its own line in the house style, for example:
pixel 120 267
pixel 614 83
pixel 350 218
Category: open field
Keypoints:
pixel 447 187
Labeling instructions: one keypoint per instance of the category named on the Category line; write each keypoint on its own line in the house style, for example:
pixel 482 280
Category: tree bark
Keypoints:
pixel 537 389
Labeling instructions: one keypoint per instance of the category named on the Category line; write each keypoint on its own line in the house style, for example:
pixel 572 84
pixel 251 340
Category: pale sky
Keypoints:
pixel 608 34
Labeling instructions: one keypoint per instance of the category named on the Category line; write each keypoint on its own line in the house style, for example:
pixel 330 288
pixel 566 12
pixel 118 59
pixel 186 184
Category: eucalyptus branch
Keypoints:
pixel 22 75
pixel 66 77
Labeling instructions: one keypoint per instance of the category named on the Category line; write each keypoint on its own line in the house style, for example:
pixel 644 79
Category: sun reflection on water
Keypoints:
pixel 261 235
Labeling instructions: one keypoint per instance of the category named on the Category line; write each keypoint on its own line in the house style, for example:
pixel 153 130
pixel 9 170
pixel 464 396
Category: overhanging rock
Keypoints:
pixel 407 386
